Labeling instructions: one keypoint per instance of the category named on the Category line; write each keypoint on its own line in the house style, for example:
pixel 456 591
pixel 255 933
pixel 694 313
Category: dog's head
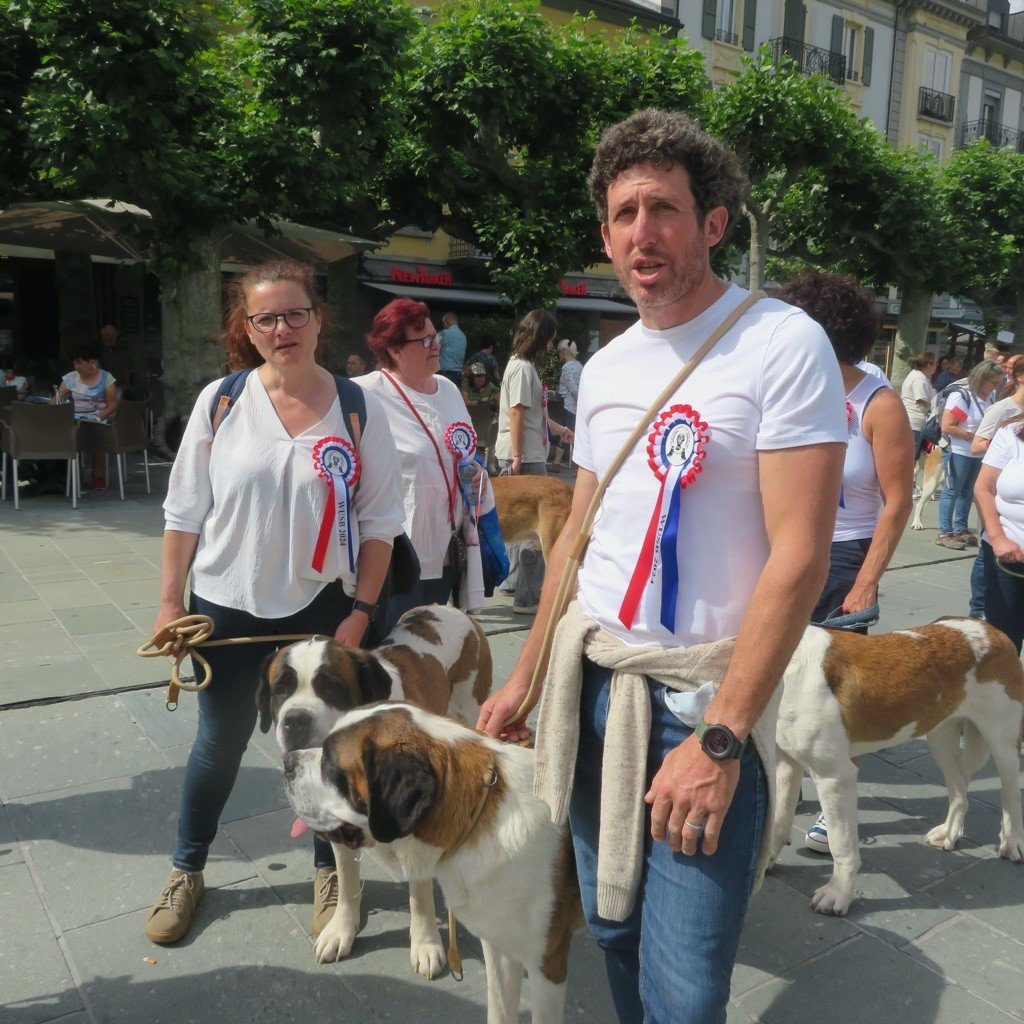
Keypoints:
pixel 390 772
pixel 305 688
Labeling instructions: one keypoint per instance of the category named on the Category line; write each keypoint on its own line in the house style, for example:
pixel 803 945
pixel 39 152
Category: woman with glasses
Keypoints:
pixel 262 467
pixel 421 406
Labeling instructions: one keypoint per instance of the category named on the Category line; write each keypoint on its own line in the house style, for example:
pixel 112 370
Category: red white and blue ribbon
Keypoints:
pixel 336 461
pixel 460 439
pixel 852 431
pixel 676 449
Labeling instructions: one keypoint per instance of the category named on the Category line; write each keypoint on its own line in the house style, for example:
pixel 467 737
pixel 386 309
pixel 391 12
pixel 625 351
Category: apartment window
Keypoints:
pixel 850 50
pixel 726 22
pixel 936 69
pixel 990 107
pixel 930 145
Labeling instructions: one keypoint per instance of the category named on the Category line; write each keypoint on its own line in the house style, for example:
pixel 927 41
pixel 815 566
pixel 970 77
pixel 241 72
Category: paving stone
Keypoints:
pixel 105 849
pixel 95 542
pixel 129 671
pixel 58 746
pixel 100 618
pixel 58 572
pixel 904 752
pixel 866 981
pixel 143 617
pixel 245 961
pixel 16 590
pixel 71 675
pixel 10 851
pixel 984 785
pixel 165 728
pixel 37 984
pixel 133 594
pixel 991 891
pixel 781 932
pixel 505 650
pixel 76 594
pixel 120 569
pixel 15 612
pixel 984 961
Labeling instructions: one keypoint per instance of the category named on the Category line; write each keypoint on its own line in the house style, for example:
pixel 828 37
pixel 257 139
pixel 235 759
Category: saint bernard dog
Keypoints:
pixel 844 695
pixel 437 800
pixel 437 658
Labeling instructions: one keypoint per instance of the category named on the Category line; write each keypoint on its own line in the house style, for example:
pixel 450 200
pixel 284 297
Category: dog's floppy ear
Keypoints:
pixel 263 693
pixel 403 790
pixel 374 682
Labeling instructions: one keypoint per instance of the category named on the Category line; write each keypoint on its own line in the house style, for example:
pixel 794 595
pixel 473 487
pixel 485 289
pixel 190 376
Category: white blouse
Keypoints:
pixel 253 495
pixel 1006 453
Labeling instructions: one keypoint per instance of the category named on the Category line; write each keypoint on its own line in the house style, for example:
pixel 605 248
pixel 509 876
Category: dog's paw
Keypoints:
pixel 916 525
pixel 428 956
pixel 942 837
pixel 1012 848
pixel 832 899
pixel 335 941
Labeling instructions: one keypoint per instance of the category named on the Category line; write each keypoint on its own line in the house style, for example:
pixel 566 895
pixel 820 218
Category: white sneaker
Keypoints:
pixel 817 837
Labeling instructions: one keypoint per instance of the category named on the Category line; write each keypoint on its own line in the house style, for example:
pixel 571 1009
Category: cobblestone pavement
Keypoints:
pixel 90 774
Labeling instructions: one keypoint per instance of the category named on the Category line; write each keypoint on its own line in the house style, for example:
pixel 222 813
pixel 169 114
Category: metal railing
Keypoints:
pixel 812 60
pixel 934 104
pixel 999 135
pixel 727 37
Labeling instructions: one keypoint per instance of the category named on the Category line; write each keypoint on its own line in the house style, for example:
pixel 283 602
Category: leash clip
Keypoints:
pixel 491 779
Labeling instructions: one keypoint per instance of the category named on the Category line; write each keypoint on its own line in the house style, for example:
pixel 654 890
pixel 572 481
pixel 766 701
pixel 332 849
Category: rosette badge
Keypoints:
pixel 676 449
pixel 336 461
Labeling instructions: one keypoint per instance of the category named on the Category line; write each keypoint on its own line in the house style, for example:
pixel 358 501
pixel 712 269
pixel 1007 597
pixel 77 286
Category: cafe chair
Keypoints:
pixel 127 431
pixel 40 432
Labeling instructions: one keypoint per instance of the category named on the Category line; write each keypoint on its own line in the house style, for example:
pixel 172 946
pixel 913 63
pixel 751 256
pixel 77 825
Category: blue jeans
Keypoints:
pixel 977 603
pixel 1004 596
pixel 227 716
pixel 435 591
pixel 957 495
pixel 526 566
pixel 844 563
pixel 671 961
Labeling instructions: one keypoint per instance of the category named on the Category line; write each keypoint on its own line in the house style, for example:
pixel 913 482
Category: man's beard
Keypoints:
pixel 687 275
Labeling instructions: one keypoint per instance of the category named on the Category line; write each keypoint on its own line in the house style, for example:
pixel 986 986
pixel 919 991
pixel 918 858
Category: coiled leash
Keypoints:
pixel 179 640
pixel 1009 572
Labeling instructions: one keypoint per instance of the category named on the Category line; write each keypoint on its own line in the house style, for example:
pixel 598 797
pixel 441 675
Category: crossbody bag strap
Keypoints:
pixel 433 441
pixel 567 584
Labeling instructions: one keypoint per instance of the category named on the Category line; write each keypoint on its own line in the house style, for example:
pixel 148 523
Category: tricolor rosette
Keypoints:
pixel 336 461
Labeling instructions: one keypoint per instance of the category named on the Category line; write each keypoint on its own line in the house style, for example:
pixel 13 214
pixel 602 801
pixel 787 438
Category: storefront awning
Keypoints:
pixel 465 297
pixel 978 331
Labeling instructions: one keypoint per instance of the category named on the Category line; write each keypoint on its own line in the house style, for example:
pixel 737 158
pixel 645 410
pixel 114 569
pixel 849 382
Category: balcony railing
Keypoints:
pixel 812 60
pixel 727 37
pixel 999 135
pixel 464 252
pixel 937 105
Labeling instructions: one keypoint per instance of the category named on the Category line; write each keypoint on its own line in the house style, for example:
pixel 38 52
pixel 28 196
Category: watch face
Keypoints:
pixel 717 741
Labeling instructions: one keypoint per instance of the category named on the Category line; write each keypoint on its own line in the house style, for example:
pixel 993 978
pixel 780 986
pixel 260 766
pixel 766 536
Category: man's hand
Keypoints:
pixel 860 598
pixel 353 629
pixel 503 703
pixel 690 786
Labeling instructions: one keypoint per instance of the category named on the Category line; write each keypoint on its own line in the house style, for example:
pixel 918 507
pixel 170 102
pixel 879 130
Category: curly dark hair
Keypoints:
pixel 841 306
pixel 664 138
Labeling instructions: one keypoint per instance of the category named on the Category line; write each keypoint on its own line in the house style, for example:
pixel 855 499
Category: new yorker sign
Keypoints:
pixel 421 275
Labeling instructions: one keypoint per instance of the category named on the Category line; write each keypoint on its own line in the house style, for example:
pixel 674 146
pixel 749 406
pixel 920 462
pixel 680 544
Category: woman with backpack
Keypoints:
pixel 961 417
pixel 268 458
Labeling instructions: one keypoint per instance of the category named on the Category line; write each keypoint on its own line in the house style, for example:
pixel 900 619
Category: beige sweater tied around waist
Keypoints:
pixel 624 764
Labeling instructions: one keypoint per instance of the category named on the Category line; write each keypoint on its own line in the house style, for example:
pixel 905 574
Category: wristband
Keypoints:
pixel 365 606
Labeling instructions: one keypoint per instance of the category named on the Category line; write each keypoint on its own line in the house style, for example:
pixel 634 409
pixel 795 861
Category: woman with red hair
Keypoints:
pixel 422 407
pixel 249 496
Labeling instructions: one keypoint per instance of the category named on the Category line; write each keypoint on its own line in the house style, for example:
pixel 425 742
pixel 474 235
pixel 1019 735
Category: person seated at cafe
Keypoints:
pixel 486 356
pixel 94 393
pixel 355 365
pixel 477 389
pixel 13 379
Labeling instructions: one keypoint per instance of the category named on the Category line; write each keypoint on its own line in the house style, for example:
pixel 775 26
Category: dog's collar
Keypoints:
pixel 489 782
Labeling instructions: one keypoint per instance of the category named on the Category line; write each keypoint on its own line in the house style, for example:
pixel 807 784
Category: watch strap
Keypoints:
pixel 737 746
pixel 365 606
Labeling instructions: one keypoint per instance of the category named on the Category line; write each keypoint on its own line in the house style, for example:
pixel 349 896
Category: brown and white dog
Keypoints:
pixel 435 799
pixel 437 658
pixel 845 695
pixel 932 478
pixel 532 508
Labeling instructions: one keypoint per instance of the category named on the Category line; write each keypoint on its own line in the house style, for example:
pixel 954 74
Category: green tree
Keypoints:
pixel 20 60
pixel 783 124
pixel 502 113
pixel 983 192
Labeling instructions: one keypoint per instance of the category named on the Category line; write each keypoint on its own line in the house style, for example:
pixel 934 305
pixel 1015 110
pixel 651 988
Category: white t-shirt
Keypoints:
pixel 423 487
pixel 874 371
pixel 521 385
pixel 995 416
pixel 253 495
pixel 772 382
pixel 917 388
pixel 1006 453
pixel 967 409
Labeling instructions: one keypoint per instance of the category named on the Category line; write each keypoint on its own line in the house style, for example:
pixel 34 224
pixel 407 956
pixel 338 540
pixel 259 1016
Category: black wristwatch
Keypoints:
pixel 365 606
pixel 719 742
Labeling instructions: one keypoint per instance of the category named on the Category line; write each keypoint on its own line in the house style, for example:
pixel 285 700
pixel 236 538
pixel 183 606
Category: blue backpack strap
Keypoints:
pixel 227 394
pixel 352 400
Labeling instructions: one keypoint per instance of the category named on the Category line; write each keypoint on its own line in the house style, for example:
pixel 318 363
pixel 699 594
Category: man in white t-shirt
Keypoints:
pixel 751 527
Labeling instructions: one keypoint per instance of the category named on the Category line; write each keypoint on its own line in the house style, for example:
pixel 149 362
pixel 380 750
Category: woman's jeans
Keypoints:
pixel 1004 596
pixel 671 961
pixel 957 495
pixel 526 566
pixel 227 716
pixel 845 560
pixel 436 591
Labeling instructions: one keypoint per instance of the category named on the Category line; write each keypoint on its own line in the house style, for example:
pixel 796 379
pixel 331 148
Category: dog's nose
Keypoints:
pixel 296 731
pixel 291 764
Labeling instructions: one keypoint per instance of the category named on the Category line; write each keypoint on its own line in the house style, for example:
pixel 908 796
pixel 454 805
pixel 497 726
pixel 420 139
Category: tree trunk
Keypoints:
pixel 192 321
pixel 75 309
pixel 758 247
pixel 911 329
pixel 1018 323
pixel 352 311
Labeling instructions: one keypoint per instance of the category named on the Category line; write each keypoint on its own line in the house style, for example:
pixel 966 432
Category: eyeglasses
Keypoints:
pixel 266 323
pixel 426 341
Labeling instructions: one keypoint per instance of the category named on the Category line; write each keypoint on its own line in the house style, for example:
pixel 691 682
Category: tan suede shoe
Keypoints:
pixel 175 907
pixel 325 898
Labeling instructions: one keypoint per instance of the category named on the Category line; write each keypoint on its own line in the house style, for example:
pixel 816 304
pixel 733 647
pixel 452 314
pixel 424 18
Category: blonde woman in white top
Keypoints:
pixel 253 485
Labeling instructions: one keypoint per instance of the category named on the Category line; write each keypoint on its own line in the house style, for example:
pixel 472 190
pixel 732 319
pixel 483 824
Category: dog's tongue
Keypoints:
pixel 299 828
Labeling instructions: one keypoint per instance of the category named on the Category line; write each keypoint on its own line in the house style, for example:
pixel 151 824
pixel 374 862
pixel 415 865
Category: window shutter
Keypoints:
pixel 794 20
pixel 869 47
pixel 707 27
pixel 837 33
pixel 749 19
